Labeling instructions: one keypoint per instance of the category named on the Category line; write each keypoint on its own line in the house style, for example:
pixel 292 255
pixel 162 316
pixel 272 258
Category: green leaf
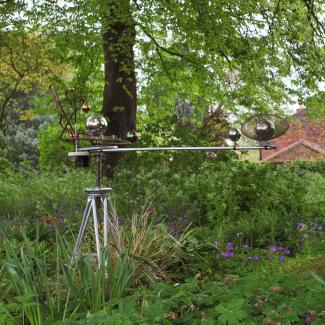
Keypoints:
pixel 231 312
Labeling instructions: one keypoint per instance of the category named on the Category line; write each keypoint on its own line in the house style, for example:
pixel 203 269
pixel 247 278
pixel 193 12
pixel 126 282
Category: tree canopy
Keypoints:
pixel 248 55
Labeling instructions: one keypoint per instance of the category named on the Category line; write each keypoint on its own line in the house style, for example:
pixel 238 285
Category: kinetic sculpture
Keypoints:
pixel 258 127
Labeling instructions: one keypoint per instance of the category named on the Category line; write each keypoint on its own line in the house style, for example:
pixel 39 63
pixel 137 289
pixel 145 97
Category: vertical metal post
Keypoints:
pixel 105 221
pixel 96 229
pixel 98 171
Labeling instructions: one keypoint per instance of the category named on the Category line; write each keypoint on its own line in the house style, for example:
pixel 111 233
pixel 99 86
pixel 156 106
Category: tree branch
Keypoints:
pixel 320 28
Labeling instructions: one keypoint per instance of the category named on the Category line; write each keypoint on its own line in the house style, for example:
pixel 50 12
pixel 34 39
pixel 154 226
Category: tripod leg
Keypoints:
pixel 82 228
pixel 96 229
pixel 105 221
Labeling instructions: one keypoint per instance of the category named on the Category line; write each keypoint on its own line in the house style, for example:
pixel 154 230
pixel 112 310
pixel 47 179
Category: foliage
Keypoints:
pixel 240 54
pixel 53 154
pixel 154 249
pixel 48 288
pixel 228 196
pixel 28 193
pixel 19 144
pixel 255 299
pixel 25 66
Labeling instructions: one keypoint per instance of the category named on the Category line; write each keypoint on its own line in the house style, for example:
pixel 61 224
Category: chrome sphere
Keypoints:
pixel 96 124
pixel 132 136
pixel 234 135
pixel 264 130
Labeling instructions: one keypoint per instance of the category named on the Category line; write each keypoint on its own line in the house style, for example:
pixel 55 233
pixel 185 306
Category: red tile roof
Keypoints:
pixel 303 131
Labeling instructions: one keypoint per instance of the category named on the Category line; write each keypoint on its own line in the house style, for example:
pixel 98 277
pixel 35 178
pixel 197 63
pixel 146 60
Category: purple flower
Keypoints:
pixel 245 246
pixel 256 258
pixel 282 257
pixel 300 225
pixel 287 252
pixel 281 248
pixel 272 249
pixel 230 246
pixel 308 319
pixel 228 254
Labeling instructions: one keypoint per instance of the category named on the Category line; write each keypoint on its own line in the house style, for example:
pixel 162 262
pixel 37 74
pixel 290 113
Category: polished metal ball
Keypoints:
pixel 132 136
pixel 96 124
pixel 85 107
pixel 234 135
pixel 264 130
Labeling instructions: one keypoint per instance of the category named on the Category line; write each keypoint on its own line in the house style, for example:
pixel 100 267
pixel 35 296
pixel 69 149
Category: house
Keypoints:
pixel 305 139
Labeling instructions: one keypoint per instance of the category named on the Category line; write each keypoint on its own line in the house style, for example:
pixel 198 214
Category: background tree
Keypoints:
pixel 248 55
pixel 245 54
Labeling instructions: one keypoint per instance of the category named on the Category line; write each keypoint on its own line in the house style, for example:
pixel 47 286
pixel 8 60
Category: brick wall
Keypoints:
pixel 300 151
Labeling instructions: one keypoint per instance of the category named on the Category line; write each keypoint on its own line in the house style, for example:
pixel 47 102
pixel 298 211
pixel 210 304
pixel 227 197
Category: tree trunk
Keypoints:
pixel 119 103
pixel 119 99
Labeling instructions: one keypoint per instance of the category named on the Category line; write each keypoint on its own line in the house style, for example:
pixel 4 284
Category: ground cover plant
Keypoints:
pixel 157 270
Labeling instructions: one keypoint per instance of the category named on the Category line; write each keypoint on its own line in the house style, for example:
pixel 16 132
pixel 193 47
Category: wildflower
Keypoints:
pixel 245 246
pixel 282 257
pixel 230 246
pixel 281 248
pixel 272 249
pixel 287 252
pixel 308 319
pixel 256 258
pixel 300 225
pixel 228 254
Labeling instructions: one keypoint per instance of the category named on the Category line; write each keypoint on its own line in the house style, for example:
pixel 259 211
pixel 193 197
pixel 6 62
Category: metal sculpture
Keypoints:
pixel 258 127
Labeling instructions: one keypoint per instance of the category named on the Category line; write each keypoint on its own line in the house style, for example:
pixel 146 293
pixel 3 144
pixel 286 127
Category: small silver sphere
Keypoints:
pixel 264 130
pixel 234 135
pixel 97 125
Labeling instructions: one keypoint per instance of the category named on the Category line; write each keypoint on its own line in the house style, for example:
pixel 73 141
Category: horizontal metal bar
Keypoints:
pixel 266 147
pixel 97 148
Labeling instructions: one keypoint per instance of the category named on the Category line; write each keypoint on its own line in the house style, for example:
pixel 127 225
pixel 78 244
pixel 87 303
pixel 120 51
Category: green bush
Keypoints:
pixel 30 193
pixel 53 153
pixel 264 201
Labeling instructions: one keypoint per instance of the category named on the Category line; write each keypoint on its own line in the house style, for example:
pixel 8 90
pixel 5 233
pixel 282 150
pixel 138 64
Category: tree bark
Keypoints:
pixel 119 100
pixel 120 97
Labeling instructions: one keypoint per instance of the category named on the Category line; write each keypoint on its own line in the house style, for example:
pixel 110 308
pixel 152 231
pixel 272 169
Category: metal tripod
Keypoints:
pixel 101 193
